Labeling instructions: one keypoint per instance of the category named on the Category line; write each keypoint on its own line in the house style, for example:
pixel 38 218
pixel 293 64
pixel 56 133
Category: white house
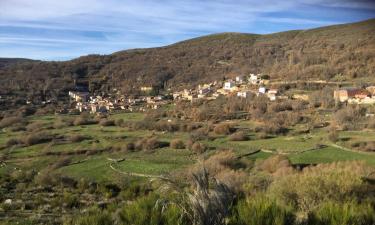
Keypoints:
pixel 243 94
pixel 229 85
pixel 262 90
pixel 272 97
pixel 239 79
pixel 254 79
pixel 273 91
pixel 79 96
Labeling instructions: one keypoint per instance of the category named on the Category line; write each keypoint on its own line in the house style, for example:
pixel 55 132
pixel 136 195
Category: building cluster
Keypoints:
pixel 355 95
pixel 84 102
pixel 241 86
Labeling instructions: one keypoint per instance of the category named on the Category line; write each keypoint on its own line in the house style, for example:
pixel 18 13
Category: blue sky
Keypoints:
pixel 65 29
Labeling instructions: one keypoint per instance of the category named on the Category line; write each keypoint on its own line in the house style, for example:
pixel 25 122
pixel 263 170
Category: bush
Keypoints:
pixel 262 135
pixel 9 121
pixel 119 122
pixel 36 138
pixel 275 163
pixel 177 144
pixel 238 136
pixel 200 134
pixel 129 147
pixel 261 211
pixel 83 120
pixel 77 138
pixel 106 122
pixel 12 142
pixel 223 129
pixel 93 217
pixel 62 122
pixel 198 147
pixel 146 210
pixel 333 135
pixel 70 200
pixel 149 143
pixel 274 128
pixel 338 182
pixel 348 213
pixel 36 126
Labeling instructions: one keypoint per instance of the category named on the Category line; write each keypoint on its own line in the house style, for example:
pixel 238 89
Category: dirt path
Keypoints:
pixel 136 174
pixel 351 150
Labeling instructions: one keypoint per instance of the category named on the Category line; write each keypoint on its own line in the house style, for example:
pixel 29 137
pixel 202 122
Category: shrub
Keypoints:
pixel 274 163
pixel 77 138
pixel 337 182
pixel 62 122
pixel 198 147
pixel 129 147
pixel 274 128
pixel 261 211
pixel 349 116
pixel 70 200
pixel 223 129
pixel 65 161
pixel 370 146
pixel 106 122
pixel 83 120
pixel 12 141
pixel 238 136
pixel 36 138
pixel 146 210
pixel 177 144
pixel 262 135
pixel 348 213
pixel 9 121
pixel 34 126
pixel 92 217
pixel 119 122
pixel 199 135
pixel 333 135
pixel 149 143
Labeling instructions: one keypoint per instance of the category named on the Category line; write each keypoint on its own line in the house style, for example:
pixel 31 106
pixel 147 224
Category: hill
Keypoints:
pixel 341 52
pixel 10 61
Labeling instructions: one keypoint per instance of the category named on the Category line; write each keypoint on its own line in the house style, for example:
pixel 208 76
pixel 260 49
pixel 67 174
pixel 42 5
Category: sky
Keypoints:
pixel 66 29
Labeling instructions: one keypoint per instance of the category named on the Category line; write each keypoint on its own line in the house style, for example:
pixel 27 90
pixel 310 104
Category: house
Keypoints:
pixel 271 97
pixel 244 94
pixel 239 79
pixel 303 97
pixel 262 90
pixel 229 85
pixel 204 91
pixel 147 88
pixel 343 95
pixel 98 108
pixel 254 79
pixel 272 91
pixel 79 96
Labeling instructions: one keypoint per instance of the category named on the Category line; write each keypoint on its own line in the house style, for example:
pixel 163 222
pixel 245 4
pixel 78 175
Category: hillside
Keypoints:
pixel 341 52
pixel 10 61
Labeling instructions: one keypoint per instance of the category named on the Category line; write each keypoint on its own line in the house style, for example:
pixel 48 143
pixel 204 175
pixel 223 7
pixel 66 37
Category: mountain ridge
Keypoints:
pixel 337 52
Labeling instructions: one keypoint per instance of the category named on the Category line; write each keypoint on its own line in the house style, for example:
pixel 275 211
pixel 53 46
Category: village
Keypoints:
pixel 241 87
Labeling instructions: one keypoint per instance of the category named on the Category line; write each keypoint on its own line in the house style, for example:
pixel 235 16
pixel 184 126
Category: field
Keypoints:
pixel 107 141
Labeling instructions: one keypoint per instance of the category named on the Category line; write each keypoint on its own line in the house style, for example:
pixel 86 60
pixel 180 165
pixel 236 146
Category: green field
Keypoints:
pixel 300 149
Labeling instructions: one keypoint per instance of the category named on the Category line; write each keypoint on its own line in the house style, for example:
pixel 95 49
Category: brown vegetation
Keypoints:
pixel 177 144
pixel 238 136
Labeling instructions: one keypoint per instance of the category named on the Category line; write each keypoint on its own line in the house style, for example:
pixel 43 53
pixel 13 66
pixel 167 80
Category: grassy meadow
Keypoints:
pixel 299 148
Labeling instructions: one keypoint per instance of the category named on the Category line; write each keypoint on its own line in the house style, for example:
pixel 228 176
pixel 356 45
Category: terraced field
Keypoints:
pixel 91 157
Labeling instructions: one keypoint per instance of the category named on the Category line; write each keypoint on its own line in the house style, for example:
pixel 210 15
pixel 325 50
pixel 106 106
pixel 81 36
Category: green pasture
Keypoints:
pixel 300 148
